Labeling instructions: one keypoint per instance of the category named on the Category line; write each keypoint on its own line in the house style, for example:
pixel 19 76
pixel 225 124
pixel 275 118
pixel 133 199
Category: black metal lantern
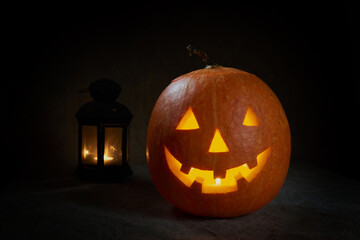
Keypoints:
pixel 104 133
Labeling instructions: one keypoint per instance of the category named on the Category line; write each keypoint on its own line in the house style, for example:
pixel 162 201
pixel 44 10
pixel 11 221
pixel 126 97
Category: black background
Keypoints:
pixel 304 52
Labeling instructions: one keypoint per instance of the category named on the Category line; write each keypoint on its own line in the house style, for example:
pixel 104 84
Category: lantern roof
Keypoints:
pixel 104 111
pixel 104 108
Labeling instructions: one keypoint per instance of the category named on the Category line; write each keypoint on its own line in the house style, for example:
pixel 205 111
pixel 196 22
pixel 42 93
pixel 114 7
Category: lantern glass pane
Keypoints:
pixel 89 145
pixel 113 152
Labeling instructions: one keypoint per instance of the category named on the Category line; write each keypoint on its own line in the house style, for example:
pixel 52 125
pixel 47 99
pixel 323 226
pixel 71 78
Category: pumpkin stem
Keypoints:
pixel 208 61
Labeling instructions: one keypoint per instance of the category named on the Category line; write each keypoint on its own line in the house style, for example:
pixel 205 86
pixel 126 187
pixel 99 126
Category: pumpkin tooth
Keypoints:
pixel 219 174
pixel 185 168
pixel 252 163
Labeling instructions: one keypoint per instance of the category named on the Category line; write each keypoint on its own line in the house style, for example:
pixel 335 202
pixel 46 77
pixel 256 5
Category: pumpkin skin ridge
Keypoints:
pixel 251 196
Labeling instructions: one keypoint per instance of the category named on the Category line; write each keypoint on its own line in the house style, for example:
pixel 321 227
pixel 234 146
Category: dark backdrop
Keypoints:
pixel 303 52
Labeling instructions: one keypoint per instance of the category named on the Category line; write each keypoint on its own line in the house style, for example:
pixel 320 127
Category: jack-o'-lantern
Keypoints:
pixel 218 143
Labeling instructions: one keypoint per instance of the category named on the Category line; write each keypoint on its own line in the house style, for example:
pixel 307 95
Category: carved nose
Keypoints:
pixel 218 144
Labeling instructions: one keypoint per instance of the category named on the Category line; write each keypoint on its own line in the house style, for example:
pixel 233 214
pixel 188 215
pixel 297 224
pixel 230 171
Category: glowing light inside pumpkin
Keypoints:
pixel 206 177
pixel 188 121
pixel 218 181
pixel 218 144
pixel 250 118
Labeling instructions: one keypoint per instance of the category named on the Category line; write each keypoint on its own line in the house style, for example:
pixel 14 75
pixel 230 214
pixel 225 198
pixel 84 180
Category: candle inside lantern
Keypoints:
pixel 89 145
pixel 106 155
pixel 86 152
pixel 106 158
pixel 113 146
pixel 110 154
pixel 113 149
pixel 88 155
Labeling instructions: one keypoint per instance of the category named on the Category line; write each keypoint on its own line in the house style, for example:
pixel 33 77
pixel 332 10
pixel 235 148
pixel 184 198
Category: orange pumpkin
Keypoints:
pixel 218 143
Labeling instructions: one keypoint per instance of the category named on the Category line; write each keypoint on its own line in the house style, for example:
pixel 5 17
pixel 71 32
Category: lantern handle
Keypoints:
pixel 208 61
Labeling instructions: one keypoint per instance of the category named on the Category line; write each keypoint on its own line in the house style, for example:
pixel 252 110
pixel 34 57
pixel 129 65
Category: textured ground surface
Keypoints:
pixel 313 204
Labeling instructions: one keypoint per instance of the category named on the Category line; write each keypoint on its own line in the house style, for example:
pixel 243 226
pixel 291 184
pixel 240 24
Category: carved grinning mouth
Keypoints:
pixel 206 177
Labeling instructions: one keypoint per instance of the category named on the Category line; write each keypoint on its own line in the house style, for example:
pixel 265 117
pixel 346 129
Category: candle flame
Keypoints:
pixel 217 181
pixel 106 157
pixel 86 152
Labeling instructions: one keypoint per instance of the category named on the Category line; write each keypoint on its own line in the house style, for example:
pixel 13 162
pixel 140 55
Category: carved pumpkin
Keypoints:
pixel 218 143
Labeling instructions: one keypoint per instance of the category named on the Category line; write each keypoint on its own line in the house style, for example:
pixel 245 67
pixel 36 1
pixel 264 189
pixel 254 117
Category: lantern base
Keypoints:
pixel 112 173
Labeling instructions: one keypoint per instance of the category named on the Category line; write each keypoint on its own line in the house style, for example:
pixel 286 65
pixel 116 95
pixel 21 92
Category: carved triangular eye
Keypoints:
pixel 250 118
pixel 188 121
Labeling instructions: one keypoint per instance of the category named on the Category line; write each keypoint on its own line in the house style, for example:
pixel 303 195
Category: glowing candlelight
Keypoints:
pixel 106 157
pixel 218 181
pixel 86 152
